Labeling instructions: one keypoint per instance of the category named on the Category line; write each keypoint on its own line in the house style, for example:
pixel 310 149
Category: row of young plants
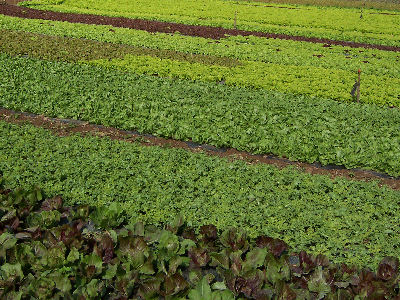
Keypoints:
pixel 311 81
pixel 50 251
pixel 305 80
pixel 328 22
pixel 376 4
pixel 20 43
pixel 276 51
pixel 349 221
pixel 299 128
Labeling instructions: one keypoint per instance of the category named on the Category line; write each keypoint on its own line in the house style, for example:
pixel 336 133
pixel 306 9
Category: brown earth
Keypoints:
pixel 65 127
pixel 166 27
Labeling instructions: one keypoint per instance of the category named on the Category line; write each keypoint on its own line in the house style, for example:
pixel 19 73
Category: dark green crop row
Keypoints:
pixel 350 221
pixel 299 128
pixel 329 22
pixel 313 81
pixel 274 51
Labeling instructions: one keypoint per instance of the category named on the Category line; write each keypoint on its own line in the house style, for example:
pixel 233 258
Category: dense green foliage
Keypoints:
pixel 152 184
pixel 299 128
pixel 52 251
pixel 328 22
pixel 276 51
pixel 378 4
pixel 314 81
pixel 311 81
pixel 273 96
pixel 286 72
pixel 19 43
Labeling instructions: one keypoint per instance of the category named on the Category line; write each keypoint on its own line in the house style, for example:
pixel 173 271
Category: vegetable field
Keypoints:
pixel 334 23
pixel 314 89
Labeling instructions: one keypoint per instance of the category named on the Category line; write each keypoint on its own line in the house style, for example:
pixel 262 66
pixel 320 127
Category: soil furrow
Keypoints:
pixel 63 127
pixel 167 27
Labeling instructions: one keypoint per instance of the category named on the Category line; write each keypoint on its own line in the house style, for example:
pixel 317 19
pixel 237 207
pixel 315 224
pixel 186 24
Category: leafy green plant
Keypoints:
pixel 276 51
pixel 349 221
pixel 333 23
pixel 258 121
pixel 64 260
pixel 76 50
pixel 311 81
pixel 108 216
pixel 308 80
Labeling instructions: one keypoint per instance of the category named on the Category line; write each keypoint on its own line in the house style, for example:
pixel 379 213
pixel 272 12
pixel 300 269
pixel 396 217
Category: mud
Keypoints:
pixel 65 127
pixel 167 27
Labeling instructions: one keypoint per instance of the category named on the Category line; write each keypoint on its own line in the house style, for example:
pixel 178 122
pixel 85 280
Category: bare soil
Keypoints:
pixel 65 127
pixel 167 27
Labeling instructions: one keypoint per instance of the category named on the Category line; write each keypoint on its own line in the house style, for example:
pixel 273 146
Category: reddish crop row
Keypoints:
pixel 166 27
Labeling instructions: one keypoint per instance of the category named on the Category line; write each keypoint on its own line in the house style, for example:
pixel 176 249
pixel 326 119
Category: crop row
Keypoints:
pixel 50 251
pixel 47 47
pixel 258 121
pixel 340 3
pixel 313 81
pixel 310 212
pixel 329 22
pixel 276 51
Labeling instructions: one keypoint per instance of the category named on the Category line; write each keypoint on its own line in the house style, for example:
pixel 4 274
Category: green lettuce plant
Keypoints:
pixel 64 261
pixel 311 21
pixel 349 221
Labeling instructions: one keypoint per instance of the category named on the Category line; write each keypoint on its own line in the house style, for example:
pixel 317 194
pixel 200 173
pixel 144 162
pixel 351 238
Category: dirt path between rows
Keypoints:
pixel 166 27
pixel 65 127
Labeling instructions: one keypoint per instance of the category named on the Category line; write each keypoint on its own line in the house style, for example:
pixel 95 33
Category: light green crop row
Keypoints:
pixel 309 80
pixel 300 80
pixel 377 4
pixel 328 22
pixel 276 51
pixel 350 221
pixel 257 121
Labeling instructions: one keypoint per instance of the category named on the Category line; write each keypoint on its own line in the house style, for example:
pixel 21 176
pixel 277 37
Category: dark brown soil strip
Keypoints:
pixel 64 127
pixel 166 27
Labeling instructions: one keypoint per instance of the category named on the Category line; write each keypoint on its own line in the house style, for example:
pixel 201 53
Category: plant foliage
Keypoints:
pixel 275 51
pixel 329 22
pixel 72 259
pixel 19 43
pixel 349 221
pixel 297 127
pixel 302 80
